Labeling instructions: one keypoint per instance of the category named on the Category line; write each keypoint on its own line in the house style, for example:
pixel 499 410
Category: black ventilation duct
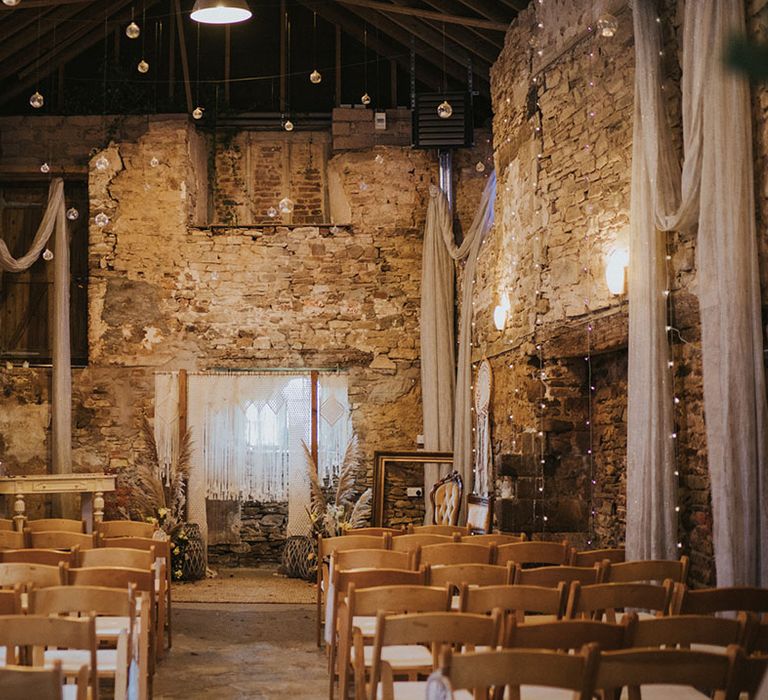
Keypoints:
pixel 432 131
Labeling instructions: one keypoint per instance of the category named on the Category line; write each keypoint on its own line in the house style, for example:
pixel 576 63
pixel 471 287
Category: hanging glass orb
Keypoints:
pixel 288 125
pixel 102 163
pixel 444 110
pixel 315 76
pixel 36 100
pixel 607 25
pixel 143 66
pixel 72 214
pixel 132 31
pixel 47 254
pixel 366 99
pixel 45 168
pixel 154 162
pixel 480 166
pixel 101 219
pixel 197 113
pixel 271 212
pixel 285 205
pixel 11 3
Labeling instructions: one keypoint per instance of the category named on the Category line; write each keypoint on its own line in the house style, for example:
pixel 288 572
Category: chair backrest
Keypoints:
pixel 541 553
pixel 684 630
pixel 10 601
pixel 467 574
pixel 112 577
pixel 6 524
pixel 328 545
pixel 49 557
pixel 10 539
pixel 605 598
pixel 59 539
pixel 397 599
pixel 55 524
pixel 590 557
pixel 512 668
pixel 457 553
pixel 40 631
pixel 25 683
pixel 647 570
pixel 60 600
pixel 118 556
pixel 408 543
pixel 449 530
pixel 375 531
pixel 707 601
pixel 125 528
pixel 368 578
pixel 552 575
pixel 373 559
pixel 681 667
pixel 479 513
pixel 566 634
pixel 445 497
pixel 38 575
pixel 751 677
pixel 516 599
pixel 496 538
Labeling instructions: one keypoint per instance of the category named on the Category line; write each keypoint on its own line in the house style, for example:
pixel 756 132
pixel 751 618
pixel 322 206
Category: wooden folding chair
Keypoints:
pixel 118 556
pixel 457 575
pixel 703 632
pixel 48 557
pixel 28 683
pixel 373 559
pixel 10 604
pixel 26 575
pixel 525 603
pixel 534 553
pixel 457 553
pixel 647 570
pixel 6 525
pixel 357 617
pixel 552 575
pixel 59 539
pixel 78 601
pixel 412 645
pixel 751 677
pixel 604 599
pixel 55 525
pixel 41 631
pixel 668 673
pixel 411 542
pixel 326 546
pixel 565 635
pixel 446 530
pixel 518 671
pixel 375 531
pixel 708 601
pixel 590 557
pixel 494 538
pixel 10 539
pixel 125 528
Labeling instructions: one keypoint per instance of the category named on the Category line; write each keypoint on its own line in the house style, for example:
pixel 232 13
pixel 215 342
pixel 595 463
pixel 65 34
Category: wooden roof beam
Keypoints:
pixel 492 39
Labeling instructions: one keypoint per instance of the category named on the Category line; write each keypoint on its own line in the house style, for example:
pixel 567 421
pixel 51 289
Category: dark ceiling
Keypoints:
pixel 77 55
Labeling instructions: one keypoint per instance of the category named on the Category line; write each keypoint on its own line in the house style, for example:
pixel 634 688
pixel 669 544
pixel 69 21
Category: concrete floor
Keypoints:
pixel 239 651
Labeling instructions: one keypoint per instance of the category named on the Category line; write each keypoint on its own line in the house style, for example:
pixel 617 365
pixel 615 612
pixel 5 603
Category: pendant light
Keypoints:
pixel 220 11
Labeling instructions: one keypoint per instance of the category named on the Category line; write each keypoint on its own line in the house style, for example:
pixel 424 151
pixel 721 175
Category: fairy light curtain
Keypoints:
pixel 166 426
pixel 54 220
pixel 715 190
pixel 334 425
pixel 483 454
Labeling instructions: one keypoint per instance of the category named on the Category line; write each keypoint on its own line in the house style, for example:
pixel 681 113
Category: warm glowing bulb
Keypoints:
pixel 220 11
pixel 616 270
pixel 315 77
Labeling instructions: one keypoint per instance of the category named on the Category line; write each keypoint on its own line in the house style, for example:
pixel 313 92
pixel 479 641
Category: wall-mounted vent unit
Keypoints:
pixel 432 131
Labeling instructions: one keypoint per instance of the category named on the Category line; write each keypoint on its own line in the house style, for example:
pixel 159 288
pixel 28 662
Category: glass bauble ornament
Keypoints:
pixel 366 99
pixel 197 113
pixel 143 66
pixel 132 31
pixel 47 254
pixel 154 162
pixel 607 25
pixel 271 212
pixel 45 168
pixel 444 110
pixel 480 166
pixel 288 125
pixel 36 100
pixel 101 219
pixel 11 3
pixel 285 205
pixel 315 76
pixel 102 163
pixel 72 214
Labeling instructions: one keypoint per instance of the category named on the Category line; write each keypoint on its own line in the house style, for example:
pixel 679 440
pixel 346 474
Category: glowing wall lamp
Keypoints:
pixel 220 11
pixel 616 270
pixel 500 313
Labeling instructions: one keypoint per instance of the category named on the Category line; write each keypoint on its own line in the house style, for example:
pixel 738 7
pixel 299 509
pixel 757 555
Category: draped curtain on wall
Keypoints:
pixel 715 190
pixel 54 219
pixel 448 413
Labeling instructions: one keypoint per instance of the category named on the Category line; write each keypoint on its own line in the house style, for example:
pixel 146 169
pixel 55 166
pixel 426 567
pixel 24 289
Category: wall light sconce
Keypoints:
pixel 500 312
pixel 616 271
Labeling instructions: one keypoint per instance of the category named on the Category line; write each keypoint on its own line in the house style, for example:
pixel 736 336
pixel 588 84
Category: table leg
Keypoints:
pixel 86 510
pixel 98 507
pixel 19 512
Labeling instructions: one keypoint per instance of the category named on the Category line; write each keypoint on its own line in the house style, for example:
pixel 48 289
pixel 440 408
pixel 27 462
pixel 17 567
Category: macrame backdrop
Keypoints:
pixel 54 219
pixel 715 189
pixel 437 343
pixel 166 420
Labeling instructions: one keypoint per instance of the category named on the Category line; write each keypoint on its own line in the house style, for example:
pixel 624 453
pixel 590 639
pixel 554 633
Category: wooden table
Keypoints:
pixel 91 486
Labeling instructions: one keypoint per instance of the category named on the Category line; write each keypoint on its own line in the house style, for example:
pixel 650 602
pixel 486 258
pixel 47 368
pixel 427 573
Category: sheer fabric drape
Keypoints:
pixel 714 189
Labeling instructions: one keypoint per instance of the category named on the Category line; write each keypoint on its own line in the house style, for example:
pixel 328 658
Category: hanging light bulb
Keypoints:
pixel 271 212
pixel 45 168
pixel 154 162
pixel 197 113
pixel 444 110
pixel 36 100
pixel 220 11
pixel 101 219
pixel 366 99
pixel 607 25
pixel 143 66
pixel 48 254
pixel 315 76
pixel 11 3
pixel 480 166
pixel 285 205
pixel 72 214
pixel 101 163
pixel 132 31
pixel 288 125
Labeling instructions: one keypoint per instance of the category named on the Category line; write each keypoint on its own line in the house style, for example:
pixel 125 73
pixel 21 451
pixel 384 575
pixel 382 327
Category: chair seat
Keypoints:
pixel 641 615
pixel 69 692
pixel 366 625
pixel 111 627
pixel 665 692
pixel 455 603
pixel 540 692
pixel 539 619
pixel 73 659
pixel 417 690
pixel 401 657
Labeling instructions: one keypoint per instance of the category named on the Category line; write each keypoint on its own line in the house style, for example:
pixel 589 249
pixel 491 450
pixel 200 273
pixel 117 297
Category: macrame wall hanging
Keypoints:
pixel 483 454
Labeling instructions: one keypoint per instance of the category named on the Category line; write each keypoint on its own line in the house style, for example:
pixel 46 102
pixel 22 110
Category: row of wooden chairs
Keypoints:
pixel 105 528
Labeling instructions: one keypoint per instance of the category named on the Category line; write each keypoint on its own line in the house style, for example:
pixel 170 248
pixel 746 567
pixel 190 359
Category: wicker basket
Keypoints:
pixel 193 566
pixel 299 557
